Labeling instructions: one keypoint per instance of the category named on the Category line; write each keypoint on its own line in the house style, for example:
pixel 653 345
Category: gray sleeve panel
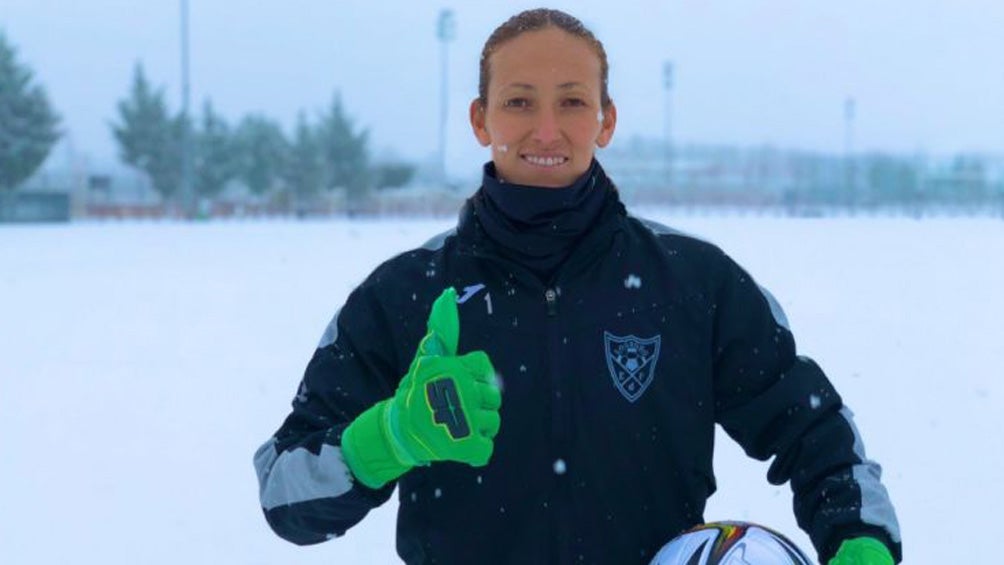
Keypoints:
pixel 775 309
pixel 876 507
pixel 298 475
pixel 775 306
pixel 437 242
pixel 330 334
pixel 662 229
pixel 654 226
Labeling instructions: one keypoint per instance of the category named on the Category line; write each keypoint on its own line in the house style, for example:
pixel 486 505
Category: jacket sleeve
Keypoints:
pixel 777 404
pixel 306 490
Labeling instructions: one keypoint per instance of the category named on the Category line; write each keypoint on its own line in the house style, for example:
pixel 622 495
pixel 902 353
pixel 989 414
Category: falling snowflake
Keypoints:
pixel 559 467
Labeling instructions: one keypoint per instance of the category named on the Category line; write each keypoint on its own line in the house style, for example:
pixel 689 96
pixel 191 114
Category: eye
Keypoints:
pixel 516 103
pixel 574 102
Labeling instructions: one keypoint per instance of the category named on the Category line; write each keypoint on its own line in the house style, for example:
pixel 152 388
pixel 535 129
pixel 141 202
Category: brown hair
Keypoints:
pixel 535 20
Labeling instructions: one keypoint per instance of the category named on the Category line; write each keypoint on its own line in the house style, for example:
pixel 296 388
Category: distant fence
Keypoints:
pixel 16 207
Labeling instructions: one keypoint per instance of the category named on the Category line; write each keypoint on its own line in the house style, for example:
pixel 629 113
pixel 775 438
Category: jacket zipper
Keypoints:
pixel 560 428
pixel 560 553
pixel 551 297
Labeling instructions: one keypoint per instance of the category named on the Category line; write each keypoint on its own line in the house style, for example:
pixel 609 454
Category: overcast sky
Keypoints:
pixel 926 75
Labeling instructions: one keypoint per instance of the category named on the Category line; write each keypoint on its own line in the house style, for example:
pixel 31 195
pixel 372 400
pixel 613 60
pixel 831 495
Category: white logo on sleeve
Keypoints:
pixel 469 292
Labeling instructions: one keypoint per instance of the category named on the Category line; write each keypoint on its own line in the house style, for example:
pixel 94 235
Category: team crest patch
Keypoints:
pixel 631 361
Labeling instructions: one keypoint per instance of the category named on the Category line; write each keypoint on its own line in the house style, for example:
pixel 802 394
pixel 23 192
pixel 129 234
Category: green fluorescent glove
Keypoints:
pixel 862 551
pixel 446 408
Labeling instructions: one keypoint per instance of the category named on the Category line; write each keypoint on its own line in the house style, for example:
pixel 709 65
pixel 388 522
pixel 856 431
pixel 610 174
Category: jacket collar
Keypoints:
pixel 540 229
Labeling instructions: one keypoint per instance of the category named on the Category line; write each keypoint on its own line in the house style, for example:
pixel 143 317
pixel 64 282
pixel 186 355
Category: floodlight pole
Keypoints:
pixel 187 189
pixel 849 110
pixel 445 32
pixel 667 82
pixel 849 173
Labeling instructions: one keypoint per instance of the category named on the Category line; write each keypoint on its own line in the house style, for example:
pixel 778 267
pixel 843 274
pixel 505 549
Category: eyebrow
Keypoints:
pixel 525 86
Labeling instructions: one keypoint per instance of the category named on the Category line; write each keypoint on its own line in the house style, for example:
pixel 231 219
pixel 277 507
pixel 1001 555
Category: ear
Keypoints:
pixel 607 126
pixel 477 112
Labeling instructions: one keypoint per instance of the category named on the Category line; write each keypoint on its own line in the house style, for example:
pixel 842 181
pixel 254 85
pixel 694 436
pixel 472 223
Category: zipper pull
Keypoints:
pixel 551 298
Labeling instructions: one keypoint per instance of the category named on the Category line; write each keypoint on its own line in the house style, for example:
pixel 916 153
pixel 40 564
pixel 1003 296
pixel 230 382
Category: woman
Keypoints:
pixel 617 345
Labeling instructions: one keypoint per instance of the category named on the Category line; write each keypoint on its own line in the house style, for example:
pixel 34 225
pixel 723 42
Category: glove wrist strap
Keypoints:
pixel 391 422
pixel 369 451
pixel 864 551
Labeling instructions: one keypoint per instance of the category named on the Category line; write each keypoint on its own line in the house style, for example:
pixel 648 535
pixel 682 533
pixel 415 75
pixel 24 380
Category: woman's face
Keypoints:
pixel 543 119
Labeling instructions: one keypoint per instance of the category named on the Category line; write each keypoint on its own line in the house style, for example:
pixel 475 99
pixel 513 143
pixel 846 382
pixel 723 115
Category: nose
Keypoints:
pixel 546 128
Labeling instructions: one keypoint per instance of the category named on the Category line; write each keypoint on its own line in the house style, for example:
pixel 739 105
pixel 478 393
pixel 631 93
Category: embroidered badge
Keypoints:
pixel 631 361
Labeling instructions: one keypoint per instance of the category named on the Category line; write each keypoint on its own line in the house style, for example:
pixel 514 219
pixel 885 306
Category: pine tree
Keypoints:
pixel 262 148
pixel 304 170
pixel 392 175
pixel 345 152
pixel 148 137
pixel 28 124
pixel 215 157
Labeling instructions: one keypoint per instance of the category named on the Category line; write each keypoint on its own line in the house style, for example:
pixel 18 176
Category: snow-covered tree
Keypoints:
pixel 262 148
pixel 392 174
pixel 304 170
pixel 28 124
pixel 148 137
pixel 345 152
pixel 216 160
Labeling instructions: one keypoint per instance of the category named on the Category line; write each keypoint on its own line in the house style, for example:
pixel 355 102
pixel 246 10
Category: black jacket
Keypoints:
pixel 614 372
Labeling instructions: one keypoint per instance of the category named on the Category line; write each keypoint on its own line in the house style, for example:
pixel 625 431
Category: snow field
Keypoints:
pixel 141 364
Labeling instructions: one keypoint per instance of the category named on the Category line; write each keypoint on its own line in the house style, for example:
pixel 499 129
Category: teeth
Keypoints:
pixel 545 161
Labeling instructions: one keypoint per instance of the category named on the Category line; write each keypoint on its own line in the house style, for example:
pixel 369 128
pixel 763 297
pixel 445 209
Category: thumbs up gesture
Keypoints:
pixel 446 408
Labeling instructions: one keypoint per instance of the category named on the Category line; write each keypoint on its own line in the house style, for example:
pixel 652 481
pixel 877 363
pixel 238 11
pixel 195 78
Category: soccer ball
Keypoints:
pixel 730 543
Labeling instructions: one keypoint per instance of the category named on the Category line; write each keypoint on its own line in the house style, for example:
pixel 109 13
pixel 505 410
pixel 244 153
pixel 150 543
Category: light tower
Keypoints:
pixel 849 110
pixel 186 188
pixel 445 32
pixel 850 196
pixel 667 83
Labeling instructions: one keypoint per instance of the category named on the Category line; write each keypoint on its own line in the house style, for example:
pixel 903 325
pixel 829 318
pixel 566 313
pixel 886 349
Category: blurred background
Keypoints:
pixel 202 108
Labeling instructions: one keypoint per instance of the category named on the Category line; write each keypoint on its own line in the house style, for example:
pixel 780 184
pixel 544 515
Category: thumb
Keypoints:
pixel 443 327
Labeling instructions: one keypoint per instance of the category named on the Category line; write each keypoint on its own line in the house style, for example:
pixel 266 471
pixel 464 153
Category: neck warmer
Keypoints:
pixel 535 226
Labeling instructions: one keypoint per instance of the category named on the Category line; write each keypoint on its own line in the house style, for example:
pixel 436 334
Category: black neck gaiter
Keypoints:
pixel 534 226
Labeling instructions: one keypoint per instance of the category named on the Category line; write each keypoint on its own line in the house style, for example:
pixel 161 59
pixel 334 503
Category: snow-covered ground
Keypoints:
pixel 141 364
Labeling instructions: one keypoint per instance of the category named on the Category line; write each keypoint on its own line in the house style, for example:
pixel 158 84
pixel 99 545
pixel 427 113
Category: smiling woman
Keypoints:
pixel 622 344
pixel 543 105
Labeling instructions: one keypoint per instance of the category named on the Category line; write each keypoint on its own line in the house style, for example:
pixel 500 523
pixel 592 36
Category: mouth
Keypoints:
pixel 547 161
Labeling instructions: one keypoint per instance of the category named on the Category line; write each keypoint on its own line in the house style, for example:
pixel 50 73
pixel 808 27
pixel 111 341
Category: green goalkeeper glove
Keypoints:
pixel 862 551
pixel 446 408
